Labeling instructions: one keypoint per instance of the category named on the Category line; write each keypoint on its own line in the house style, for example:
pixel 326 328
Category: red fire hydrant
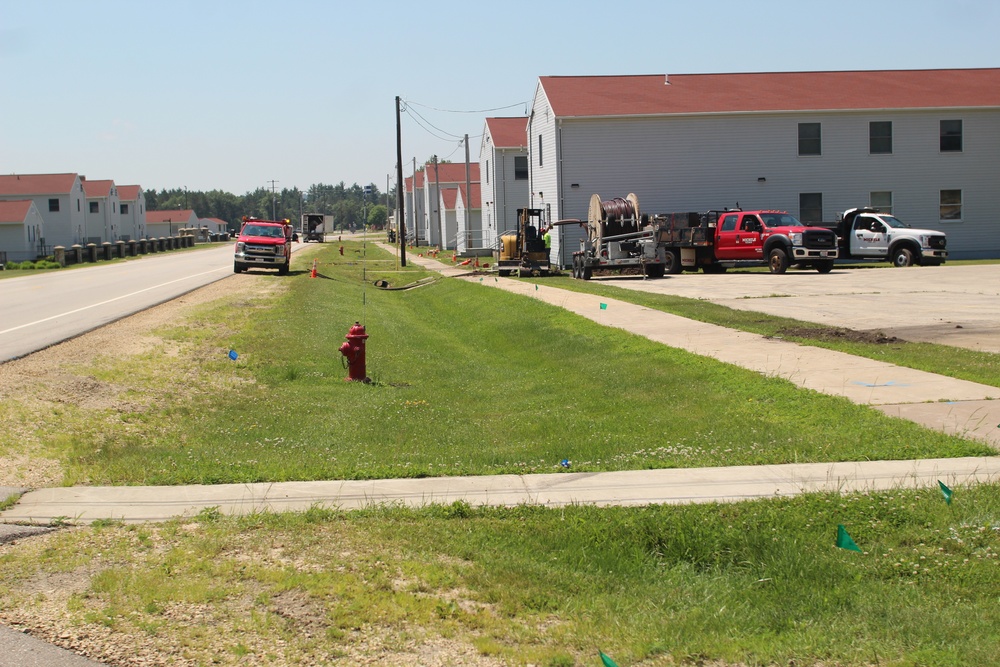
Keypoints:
pixel 354 351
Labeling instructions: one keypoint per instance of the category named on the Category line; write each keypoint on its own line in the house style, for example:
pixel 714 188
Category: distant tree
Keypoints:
pixel 377 216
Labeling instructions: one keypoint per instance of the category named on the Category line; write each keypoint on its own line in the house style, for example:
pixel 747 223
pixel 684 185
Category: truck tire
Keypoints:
pixel 902 257
pixel 673 263
pixel 586 273
pixel 655 270
pixel 238 269
pixel 576 268
pixel 777 261
pixel 824 267
pixel 283 270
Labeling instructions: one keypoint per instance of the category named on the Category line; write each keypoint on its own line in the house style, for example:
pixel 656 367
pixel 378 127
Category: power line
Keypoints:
pixel 509 106
pixel 413 113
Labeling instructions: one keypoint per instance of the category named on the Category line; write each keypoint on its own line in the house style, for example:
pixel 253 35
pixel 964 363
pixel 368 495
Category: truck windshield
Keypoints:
pixel 895 223
pixel 779 220
pixel 259 230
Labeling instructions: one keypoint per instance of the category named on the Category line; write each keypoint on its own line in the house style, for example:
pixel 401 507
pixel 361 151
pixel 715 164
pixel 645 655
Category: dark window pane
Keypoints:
pixel 810 141
pixel 811 207
pixel 951 135
pixel 880 137
pixel 520 167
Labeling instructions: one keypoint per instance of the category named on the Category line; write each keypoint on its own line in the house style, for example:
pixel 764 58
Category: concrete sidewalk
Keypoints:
pixel 137 504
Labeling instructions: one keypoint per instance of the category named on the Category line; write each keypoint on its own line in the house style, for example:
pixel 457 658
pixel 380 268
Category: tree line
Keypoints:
pixel 348 205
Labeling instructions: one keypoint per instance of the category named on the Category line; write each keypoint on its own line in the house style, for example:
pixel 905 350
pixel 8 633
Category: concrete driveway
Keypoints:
pixel 951 305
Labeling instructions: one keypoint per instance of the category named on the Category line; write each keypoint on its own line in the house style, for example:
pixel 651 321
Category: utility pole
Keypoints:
pixel 468 198
pixel 401 222
pixel 437 200
pixel 413 206
pixel 274 213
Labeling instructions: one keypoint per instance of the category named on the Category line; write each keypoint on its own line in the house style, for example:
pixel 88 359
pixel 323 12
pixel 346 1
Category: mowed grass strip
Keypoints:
pixel 961 363
pixel 752 583
pixel 466 381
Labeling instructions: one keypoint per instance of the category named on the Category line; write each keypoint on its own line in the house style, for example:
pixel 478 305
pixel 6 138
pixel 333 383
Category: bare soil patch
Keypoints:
pixel 836 334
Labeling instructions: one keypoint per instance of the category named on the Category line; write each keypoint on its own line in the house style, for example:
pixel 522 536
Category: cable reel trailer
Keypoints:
pixel 619 238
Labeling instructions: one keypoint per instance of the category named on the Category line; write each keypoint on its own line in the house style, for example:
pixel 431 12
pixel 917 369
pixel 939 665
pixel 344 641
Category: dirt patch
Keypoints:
pixel 836 334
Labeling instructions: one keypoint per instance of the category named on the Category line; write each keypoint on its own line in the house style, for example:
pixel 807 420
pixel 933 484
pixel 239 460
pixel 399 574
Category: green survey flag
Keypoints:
pixel 606 661
pixel 844 540
pixel 604 306
pixel 945 491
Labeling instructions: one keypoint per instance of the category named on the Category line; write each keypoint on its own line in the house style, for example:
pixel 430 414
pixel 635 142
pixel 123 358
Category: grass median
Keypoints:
pixel 466 381
pixel 961 363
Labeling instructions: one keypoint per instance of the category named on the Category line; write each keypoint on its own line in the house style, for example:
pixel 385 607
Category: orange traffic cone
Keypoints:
pixel 312 274
pixel 477 263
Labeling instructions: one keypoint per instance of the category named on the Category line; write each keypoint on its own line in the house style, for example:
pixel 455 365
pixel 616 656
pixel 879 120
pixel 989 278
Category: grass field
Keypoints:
pixel 469 380
pixel 466 380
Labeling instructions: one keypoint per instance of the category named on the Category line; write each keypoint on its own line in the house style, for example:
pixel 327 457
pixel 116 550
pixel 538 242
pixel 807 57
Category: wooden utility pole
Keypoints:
pixel 468 197
pixel 401 225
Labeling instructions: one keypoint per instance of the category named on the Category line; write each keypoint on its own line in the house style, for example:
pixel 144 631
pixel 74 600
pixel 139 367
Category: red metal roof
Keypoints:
pixel 128 192
pixel 508 132
pixel 476 201
pixel 14 211
pixel 169 216
pixel 452 172
pixel 576 96
pixel 98 188
pixel 37 184
pixel 450 197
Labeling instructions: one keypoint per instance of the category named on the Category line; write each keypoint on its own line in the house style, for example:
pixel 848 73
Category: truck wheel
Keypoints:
pixel 586 273
pixel 673 263
pixel 238 269
pixel 283 270
pixel 902 257
pixel 824 267
pixel 655 270
pixel 777 261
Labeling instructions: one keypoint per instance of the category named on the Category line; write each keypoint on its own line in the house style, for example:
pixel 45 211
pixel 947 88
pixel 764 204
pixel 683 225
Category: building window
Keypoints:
pixel 881 200
pixel 124 209
pixel 811 207
pixel 539 150
pixel 951 206
pixel 809 139
pixel 520 167
pixel 880 136
pixel 77 205
pixel 951 136
pixel 53 205
pixel 487 171
pixel 94 207
pixel 114 208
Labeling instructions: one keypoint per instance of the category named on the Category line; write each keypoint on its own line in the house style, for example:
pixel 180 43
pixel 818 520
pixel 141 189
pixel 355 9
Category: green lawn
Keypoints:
pixel 466 380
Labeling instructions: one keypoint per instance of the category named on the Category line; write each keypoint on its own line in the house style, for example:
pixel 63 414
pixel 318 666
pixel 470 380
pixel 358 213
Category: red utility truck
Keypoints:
pixel 265 244
pixel 718 240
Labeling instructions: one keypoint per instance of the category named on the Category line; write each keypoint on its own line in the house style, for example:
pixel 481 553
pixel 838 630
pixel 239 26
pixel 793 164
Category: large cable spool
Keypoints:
pixel 620 214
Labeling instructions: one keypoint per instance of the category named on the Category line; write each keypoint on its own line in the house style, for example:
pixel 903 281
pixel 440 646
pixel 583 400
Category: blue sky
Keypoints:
pixel 231 95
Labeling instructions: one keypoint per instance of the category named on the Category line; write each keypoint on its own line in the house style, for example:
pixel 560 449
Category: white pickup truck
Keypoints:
pixel 867 233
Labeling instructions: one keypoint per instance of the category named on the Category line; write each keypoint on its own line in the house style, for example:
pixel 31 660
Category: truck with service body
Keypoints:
pixel 867 233
pixel 713 241
pixel 717 240
pixel 314 226
pixel 265 244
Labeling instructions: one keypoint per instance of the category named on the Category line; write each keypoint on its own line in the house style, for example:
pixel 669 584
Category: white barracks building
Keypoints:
pixel 922 144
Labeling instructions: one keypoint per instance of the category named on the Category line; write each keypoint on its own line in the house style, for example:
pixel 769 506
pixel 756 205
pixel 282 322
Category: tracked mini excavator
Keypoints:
pixel 523 249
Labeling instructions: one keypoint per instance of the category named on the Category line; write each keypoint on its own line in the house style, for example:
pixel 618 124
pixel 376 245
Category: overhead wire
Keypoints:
pixel 509 106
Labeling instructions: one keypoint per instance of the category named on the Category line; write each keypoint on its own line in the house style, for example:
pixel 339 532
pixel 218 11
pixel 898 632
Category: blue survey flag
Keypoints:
pixel 844 540
pixel 945 491
pixel 233 355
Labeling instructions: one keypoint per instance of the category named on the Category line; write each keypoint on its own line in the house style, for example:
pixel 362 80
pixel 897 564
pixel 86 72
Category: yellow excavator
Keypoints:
pixel 523 249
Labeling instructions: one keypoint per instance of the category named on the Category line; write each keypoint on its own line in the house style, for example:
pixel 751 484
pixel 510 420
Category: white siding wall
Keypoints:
pixel 702 162
pixel 65 226
pixel 488 185
pixel 19 240
pixel 132 224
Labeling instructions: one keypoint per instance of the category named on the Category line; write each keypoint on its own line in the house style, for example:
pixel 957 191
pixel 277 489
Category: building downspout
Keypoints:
pixel 561 194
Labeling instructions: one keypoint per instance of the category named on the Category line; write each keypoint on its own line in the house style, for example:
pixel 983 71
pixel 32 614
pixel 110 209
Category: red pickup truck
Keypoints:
pixel 717 240
pixel 264 244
